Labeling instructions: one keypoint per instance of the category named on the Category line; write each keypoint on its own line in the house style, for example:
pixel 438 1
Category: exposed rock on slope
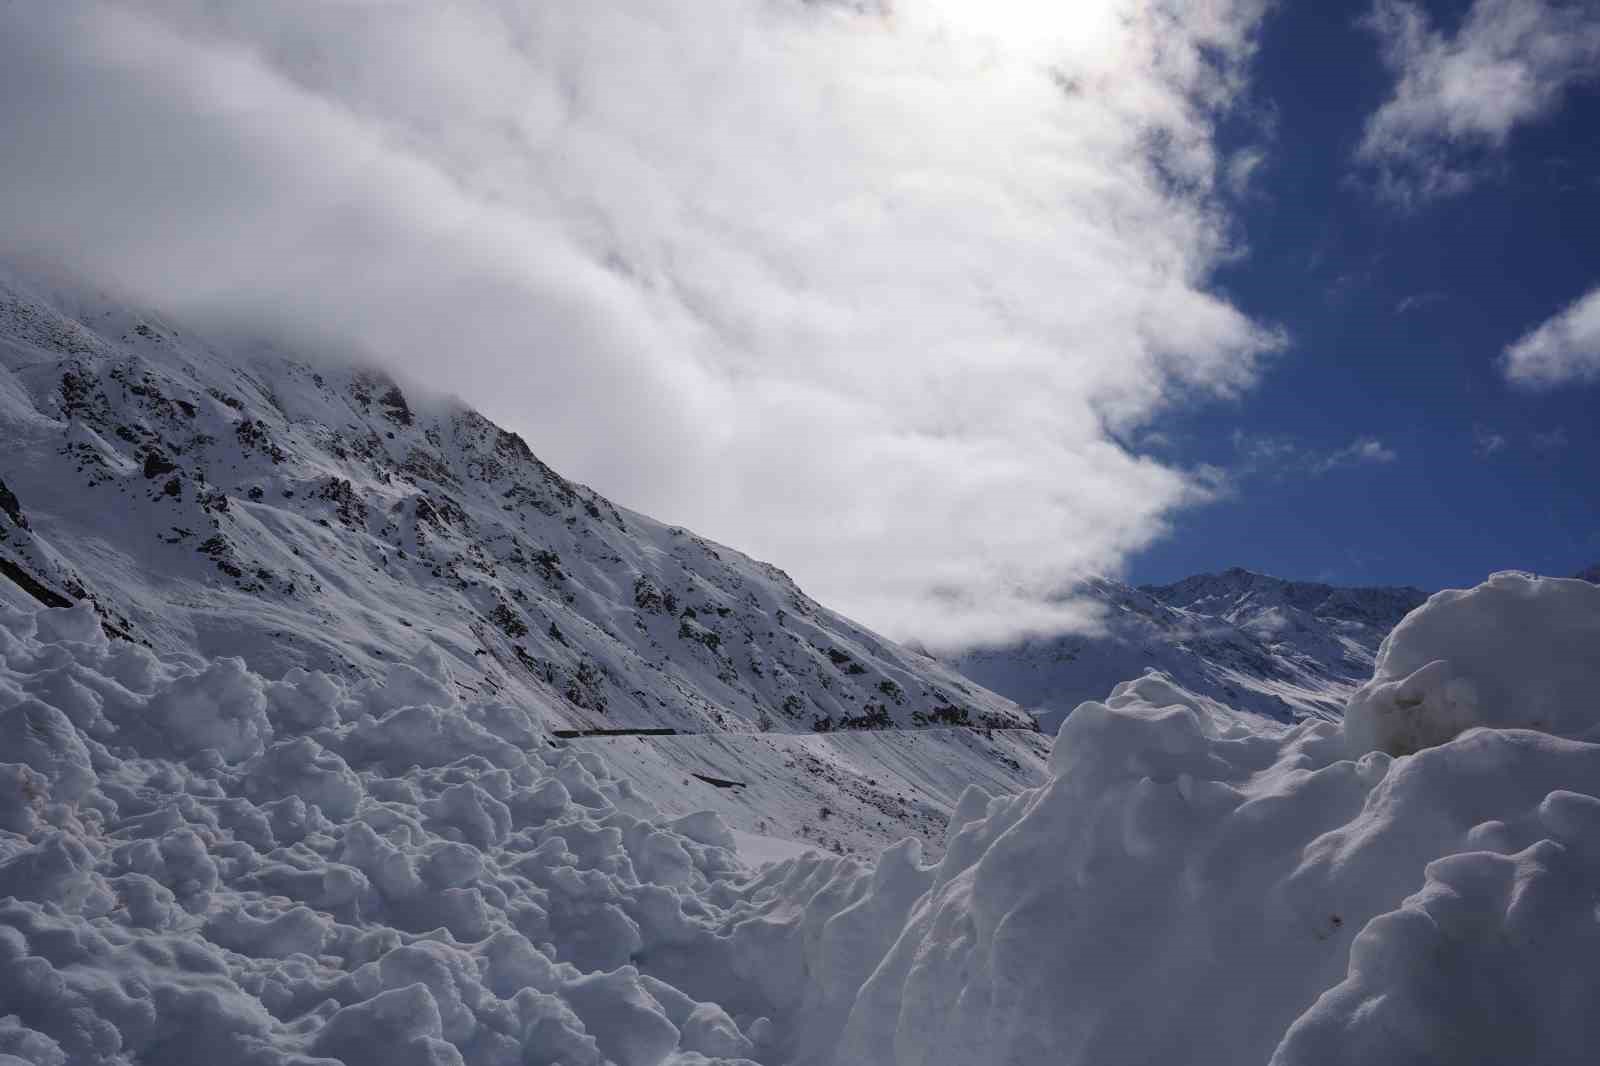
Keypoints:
pixel 321 518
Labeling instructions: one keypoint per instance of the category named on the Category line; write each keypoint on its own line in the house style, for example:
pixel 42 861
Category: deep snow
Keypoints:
pixel 199 864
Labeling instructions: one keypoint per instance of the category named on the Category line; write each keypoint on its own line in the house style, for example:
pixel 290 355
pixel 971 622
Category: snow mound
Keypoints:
pixel 1517 651
pixel 1197 885
pixel 198 864
pixel 383 872
pixel 1194 887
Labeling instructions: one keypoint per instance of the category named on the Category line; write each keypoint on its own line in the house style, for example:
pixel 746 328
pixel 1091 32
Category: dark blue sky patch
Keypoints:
pixel 1397 316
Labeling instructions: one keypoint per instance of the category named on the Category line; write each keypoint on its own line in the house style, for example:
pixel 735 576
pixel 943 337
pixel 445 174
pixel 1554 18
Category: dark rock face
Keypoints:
pixel 11 508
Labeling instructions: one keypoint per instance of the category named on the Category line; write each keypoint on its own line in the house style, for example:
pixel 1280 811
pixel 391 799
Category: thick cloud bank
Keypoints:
pixel 850 285
pixel 199 864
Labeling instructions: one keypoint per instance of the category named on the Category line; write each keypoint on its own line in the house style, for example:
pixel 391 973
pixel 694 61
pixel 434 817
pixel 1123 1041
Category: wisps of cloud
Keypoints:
pixel 1242 169
pixel 1487 442
pixel 1362 451
pixel 869 291
pixel 1418 301
pixel 1551 440
pixel 1563 350
pixel 1458 97
pixel 1283 457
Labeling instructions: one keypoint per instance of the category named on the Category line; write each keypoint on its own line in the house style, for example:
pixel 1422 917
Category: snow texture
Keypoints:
pixel 1516 652
pixel 356 875
pixel 186 877
pixel 214 502
pixel 1194 885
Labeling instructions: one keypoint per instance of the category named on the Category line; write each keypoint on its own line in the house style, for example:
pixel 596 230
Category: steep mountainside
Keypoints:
pixel 1284 649
pixel 322 518
pixel 313 519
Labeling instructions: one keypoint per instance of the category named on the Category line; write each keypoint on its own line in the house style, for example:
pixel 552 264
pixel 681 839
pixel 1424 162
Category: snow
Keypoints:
pixel 1283 649
pixel 229 504
pixel 1192 883
pixel 758 850
pixel 323 521
pixel 1196 885
pixel 184 878
pixel 1518 651
pixel 318 815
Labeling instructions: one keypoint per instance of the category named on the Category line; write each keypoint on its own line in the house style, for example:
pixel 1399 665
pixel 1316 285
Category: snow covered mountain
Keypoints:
pixel 1283 649
pixel 324 519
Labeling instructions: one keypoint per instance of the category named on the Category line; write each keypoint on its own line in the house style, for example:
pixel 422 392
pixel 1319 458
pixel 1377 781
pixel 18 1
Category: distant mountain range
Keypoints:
pixel 1283 649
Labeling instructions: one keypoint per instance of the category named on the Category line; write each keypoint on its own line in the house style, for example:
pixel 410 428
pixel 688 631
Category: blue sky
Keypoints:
pixel 1397 315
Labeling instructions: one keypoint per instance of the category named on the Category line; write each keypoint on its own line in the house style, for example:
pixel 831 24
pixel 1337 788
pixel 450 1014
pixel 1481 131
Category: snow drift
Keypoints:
pixel 1195 886
pixel 200 864
pixel 1513 652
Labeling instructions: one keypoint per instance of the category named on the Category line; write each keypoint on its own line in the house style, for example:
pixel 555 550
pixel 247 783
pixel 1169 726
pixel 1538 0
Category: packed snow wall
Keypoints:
pixel 198 864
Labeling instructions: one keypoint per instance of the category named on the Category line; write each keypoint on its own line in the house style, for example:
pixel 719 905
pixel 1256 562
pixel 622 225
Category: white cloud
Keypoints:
pixel 1282 457
pixel 1553 440
pixel 1487 442
pixel 1243 167
pixel 1361 451
pixel 1561 351
pixel 1418 301
pixel 1458 97
pixel 869 292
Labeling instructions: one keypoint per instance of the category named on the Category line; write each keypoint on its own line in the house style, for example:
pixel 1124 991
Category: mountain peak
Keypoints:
pixel 1279 648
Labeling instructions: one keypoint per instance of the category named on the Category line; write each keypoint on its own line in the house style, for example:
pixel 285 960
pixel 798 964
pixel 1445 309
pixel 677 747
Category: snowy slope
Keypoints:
pixel 218 501
pixel 1279 648
pixel 322 518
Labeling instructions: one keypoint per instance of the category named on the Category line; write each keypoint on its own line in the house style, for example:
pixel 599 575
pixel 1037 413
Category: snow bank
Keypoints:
pixel 1195 885
pixel 384 873
pixel 198 864
pixel 1516 652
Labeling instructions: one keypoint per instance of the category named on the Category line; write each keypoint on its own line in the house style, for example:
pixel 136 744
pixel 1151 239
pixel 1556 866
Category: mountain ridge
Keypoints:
pixel 310 503
pixel 1280 648
pixel 314 521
